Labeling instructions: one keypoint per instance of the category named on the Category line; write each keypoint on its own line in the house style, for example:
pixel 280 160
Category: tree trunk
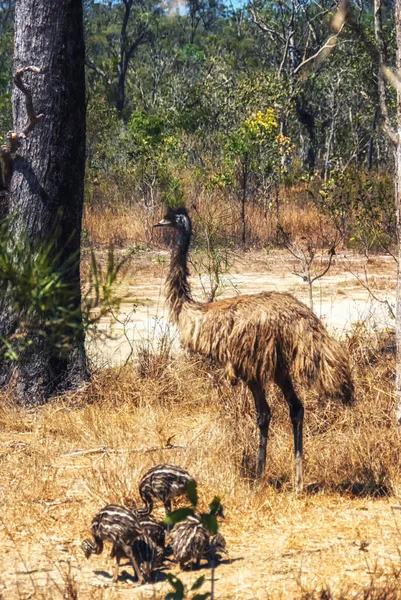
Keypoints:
pixel 244 182
pixel 397 9
pixel 46 190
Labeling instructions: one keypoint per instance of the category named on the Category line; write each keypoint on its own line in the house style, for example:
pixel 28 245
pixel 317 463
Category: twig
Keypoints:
pixel 373 295
pixel 13 138
pixel 107 450
pixel 325 49
pixel 33 119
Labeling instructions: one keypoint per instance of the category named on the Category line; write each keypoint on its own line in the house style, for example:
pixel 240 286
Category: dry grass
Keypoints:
pixel 339 540
pixel 122 222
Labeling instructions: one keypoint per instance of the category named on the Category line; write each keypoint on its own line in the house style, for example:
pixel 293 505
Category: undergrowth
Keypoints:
pixel 64 461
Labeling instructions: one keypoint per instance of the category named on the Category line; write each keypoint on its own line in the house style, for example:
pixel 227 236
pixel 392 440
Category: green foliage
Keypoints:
pixel 208 519
pixel 177 515
pixel 147 133
pixel 180 593
pixel 40 286
pixel 213 103
pixel 361 205
pixel 192 493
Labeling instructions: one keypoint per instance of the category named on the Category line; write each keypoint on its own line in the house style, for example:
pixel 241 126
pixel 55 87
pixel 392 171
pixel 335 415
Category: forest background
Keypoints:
pixel 243 111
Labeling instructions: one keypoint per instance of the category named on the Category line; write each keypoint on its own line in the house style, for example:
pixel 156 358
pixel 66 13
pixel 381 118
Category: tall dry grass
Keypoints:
pixel 62 462
pixel 126 223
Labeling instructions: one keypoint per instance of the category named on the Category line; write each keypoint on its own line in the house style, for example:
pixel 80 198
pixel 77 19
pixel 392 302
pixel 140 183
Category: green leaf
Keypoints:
pixel 215 505
pixel 177 515
pixel 178 587
pixel 198 583
pixel 192 493
pixel 210 522
pixel 202 596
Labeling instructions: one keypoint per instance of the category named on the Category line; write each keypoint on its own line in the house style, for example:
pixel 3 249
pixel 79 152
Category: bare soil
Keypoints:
pixel 354 292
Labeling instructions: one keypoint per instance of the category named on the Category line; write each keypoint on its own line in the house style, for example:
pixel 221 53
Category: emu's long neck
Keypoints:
pixel 178 289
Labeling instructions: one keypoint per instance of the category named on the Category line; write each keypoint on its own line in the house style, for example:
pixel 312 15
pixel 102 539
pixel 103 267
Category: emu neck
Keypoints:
pixel 178 290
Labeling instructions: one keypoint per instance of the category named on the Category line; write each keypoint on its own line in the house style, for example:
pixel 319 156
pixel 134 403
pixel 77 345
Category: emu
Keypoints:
pixel 154 530
pixel 258 338
pixel 120 526
pixel 189 540
pixel 163 482
pixel 148 555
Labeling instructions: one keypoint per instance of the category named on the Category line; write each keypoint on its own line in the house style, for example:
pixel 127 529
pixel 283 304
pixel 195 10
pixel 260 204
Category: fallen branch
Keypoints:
pixel 107 450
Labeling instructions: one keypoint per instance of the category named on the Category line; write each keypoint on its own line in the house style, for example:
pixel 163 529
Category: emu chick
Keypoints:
pixel 189 540
pixel 164 482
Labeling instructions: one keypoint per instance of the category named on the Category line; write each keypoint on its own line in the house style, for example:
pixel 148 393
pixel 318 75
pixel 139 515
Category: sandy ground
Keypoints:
pixel 341 299
pixel 300 544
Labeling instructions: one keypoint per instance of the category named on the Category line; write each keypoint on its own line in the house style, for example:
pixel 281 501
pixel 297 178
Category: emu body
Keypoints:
pixel 120 526
pixel 259 338
pixel 164 482
pixel 189 541
pixel 154 530
pixel 148 555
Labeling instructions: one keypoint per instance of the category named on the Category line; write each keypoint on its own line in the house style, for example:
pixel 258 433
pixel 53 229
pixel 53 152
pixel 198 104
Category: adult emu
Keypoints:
pixel 258 338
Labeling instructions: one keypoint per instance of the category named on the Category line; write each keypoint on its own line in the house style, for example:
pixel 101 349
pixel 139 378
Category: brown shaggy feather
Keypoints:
pixel 258 338
pixel 256 335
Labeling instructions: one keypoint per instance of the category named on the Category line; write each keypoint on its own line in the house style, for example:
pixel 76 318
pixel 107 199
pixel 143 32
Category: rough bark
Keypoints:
pixel 48 178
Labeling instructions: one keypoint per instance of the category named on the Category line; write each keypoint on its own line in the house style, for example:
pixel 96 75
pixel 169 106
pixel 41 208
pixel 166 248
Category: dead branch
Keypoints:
pixel 324 51
pixel 107 450
pixel 365 284
pixel 393 78
pixel 33 119
pixel 13 138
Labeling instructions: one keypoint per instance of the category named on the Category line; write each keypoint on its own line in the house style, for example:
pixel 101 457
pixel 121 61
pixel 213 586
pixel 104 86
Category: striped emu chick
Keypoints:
pixel 189 541
pixel 164 482
pixel 121 527
pixel 154 530
pixel 148 555
pixel 260 338
pixel 217 544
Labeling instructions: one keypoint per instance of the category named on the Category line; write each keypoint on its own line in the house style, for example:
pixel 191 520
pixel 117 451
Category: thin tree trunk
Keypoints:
pixel 243 199
pixel 397 9
pixel 370 151
pixel 48 178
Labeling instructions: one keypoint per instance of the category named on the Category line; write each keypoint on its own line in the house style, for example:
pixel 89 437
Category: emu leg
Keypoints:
pixel 116 570
pixel 297 419
pixel 128 552
pixel 263 417
pixel 167 506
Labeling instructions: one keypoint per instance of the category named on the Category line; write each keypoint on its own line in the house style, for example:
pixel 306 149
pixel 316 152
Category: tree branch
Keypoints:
pixel 91 65
pixel 33 119
pixel 14 139
pixel 326 49
pixel 263 25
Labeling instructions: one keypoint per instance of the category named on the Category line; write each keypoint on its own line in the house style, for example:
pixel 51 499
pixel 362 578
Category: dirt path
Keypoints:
pixel 339 299
pixel 334 543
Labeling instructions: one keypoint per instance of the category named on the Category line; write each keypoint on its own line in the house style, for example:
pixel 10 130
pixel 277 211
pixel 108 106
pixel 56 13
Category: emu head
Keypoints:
pixel 177 218
pixel 218 543
pixel 88 548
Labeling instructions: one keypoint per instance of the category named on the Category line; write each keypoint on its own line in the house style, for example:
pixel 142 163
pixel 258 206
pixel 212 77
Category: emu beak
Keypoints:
pixel 163 223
